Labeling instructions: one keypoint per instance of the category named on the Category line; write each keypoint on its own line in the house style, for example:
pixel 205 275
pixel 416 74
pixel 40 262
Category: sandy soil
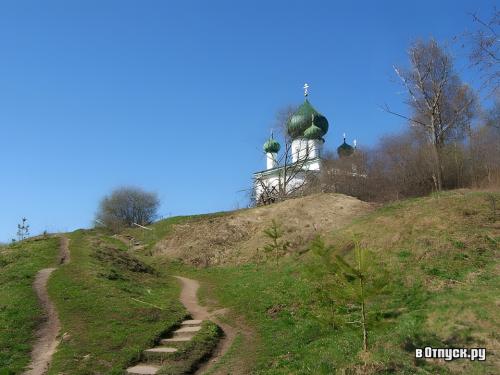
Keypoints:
pixel 47 333
pixel 189 299
pixel 64 255
pixel 235 237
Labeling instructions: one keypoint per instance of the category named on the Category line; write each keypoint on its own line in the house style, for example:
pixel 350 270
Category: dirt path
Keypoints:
pixel 46 334
pixel 190 300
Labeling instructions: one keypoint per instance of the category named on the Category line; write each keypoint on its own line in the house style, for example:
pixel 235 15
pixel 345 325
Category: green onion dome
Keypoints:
pixel 271 146
pixel 301 120
pixel 345 150
pixel 313 132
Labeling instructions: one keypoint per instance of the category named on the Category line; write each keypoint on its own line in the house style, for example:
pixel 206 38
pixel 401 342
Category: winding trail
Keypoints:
pixel 46 342
pixel 189 299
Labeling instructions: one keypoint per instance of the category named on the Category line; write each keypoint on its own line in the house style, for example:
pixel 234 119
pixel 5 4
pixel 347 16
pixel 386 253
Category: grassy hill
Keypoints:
pixel 435 259
pixel 111 305
pixel 439 257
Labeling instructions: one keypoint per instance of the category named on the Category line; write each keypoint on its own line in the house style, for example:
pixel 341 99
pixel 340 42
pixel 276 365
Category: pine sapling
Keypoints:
pixel 350 283
pixel 23 229
pixel 277 245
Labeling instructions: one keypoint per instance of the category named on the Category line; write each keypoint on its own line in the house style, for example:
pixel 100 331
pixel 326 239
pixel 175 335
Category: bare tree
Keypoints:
pixel 291 172
pixel 485 52
pixel 345 175
pixel 442 106
pixel 399 166
pixel 126 206
pixel 281 121
pixel 485 156
pixel 493 115
pixel 291 177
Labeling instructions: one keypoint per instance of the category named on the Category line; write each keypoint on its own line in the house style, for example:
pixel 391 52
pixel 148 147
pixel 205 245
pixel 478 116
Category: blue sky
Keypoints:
pixel 178 97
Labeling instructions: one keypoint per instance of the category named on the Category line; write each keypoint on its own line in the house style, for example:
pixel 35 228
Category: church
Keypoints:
pixel 287 174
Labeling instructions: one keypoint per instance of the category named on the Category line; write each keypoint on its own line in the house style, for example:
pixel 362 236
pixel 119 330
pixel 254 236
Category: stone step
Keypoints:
pixel 176 339
pixel 158 354
pixel 161 349
pixel 143 369
pixel 186 331
pixel 192 322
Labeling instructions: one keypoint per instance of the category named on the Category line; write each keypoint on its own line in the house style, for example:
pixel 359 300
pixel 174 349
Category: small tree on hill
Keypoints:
pixel 350 284
pixel 320 273
pixel 23 229
pixel 277 246
pixel 127 206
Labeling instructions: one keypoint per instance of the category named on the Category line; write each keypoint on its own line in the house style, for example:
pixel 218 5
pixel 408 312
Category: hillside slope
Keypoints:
pixel 111 306
pixel 438 257
pixel 233 237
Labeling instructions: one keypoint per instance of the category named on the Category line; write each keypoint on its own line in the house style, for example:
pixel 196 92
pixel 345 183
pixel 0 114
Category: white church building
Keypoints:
pixel 302 156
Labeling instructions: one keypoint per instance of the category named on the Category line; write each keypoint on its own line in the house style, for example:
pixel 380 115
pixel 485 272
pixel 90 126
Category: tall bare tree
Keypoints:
pixel 485 52
pixel 441 105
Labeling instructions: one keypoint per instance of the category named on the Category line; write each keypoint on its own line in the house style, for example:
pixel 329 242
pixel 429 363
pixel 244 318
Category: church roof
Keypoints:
pixel 277 170
pixel 313 132
pixel 271 145
pixel 345 149
pixel 303 118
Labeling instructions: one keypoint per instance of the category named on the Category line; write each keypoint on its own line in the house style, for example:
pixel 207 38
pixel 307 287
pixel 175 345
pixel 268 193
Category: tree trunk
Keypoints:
pixel 438 168
pixel 276 248
pixel 363 316
pixel 362 295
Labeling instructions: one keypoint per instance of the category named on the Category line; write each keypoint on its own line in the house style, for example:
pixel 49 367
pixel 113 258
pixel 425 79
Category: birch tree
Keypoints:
pixel 440 104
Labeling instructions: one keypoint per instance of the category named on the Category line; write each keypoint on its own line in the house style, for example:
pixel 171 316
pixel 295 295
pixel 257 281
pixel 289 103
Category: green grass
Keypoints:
pixel 229 359
pixel 111 305
pixel 440 253
pixel 19 310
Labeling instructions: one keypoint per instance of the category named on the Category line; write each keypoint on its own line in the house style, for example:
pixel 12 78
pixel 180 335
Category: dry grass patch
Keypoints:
pixel 234 238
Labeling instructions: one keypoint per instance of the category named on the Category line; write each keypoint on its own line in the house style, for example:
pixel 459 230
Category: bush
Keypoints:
pixel 126 206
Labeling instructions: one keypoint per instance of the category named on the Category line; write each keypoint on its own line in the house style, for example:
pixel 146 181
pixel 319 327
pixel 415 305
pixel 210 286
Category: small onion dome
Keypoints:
pixel 301 120
pixel 313 132
pixel 271 146
pixel 345 150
